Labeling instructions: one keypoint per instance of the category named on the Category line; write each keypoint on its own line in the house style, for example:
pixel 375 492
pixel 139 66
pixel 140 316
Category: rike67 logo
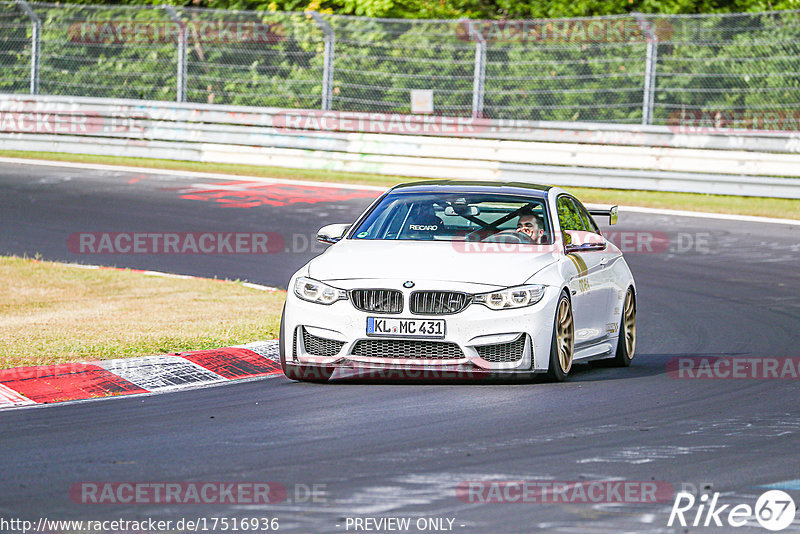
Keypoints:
pixel 774 510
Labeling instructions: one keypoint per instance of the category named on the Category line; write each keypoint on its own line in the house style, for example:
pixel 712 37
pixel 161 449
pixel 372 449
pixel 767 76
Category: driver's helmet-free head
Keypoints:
pixel 528 218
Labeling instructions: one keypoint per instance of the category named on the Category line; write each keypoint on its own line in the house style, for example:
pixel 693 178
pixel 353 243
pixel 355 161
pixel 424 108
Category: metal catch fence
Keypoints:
pixel 646 69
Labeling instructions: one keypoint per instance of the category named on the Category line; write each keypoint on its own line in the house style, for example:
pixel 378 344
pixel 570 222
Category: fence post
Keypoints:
pixel 327 64
pixel 479 74
pixel 182 38
pixel 36 35
pixel 651 60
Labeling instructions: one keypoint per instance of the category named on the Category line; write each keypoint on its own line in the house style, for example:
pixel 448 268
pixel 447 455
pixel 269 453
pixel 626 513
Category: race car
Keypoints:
pixel 463 277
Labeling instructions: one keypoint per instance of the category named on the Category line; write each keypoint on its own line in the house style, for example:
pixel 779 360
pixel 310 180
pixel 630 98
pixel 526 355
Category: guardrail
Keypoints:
pixel 684 158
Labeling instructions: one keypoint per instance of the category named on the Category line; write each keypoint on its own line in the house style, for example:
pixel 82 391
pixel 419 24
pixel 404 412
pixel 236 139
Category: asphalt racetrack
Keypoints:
pixel 373 450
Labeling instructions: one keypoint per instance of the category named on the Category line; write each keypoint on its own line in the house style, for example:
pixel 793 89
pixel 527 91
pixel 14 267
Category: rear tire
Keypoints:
pixel 300 373
pixel 626 344
pixel 562 346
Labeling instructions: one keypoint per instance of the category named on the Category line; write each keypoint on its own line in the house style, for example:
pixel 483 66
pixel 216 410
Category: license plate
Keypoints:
pixel 377 326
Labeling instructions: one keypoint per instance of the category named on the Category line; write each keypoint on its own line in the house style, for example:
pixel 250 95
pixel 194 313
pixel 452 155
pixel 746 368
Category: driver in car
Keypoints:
pixel 531 225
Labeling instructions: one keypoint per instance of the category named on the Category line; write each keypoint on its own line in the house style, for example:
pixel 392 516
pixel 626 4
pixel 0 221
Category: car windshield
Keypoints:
pixel 452 217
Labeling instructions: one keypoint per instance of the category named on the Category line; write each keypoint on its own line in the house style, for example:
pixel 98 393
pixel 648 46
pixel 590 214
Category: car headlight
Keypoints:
pixel 315 291
pixel 512 297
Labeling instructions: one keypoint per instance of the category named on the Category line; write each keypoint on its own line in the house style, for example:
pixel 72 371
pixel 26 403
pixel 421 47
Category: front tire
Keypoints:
pixel 300 373
pixel 562 346
pixel 626 344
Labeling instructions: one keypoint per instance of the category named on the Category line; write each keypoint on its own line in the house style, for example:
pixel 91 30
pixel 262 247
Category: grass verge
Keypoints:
pixel 758 206
pixel 57 313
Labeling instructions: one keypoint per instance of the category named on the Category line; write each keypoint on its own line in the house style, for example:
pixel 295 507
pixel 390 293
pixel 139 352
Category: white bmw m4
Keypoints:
pixel 461 278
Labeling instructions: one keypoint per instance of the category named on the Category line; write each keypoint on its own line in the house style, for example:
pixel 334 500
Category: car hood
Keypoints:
pixel 481 263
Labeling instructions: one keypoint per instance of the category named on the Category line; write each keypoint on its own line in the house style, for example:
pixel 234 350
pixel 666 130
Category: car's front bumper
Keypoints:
pixel 477 339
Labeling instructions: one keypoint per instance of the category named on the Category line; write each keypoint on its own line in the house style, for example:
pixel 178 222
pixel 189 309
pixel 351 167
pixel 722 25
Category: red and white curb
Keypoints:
pixel 25 386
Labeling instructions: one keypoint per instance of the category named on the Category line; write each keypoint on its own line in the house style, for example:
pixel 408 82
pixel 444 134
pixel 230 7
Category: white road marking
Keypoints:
pixel 186 174
pixel 706 215
pixel 260 287
pixel 643 455
pixel 267 349
pixel 791 485
pixel 250 285
pixel 158 373
pixel 9 397
pixel 219 176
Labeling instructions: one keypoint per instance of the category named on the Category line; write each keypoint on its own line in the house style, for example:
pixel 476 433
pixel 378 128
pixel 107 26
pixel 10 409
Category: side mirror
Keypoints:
pixel 332 233
pixel 611 213
pixel 576 241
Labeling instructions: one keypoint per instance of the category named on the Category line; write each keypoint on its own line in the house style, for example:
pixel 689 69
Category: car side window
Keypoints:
pixel 568 215
pixel 588 222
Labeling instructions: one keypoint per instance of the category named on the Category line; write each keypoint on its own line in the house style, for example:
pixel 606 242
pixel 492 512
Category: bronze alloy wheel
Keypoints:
pixel 629 324
pixel 562 345
pixel 565 335
pixel 626 344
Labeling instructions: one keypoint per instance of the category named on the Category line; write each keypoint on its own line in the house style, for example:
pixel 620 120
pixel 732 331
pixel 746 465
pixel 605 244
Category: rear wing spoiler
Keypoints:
pixel 611 213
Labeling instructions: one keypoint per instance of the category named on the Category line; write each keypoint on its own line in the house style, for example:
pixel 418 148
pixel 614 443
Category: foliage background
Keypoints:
pixel 742 65
pixel 489 9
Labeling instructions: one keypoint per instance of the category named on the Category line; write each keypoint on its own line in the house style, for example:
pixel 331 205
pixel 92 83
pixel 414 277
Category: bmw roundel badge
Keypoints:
pixel 408 285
